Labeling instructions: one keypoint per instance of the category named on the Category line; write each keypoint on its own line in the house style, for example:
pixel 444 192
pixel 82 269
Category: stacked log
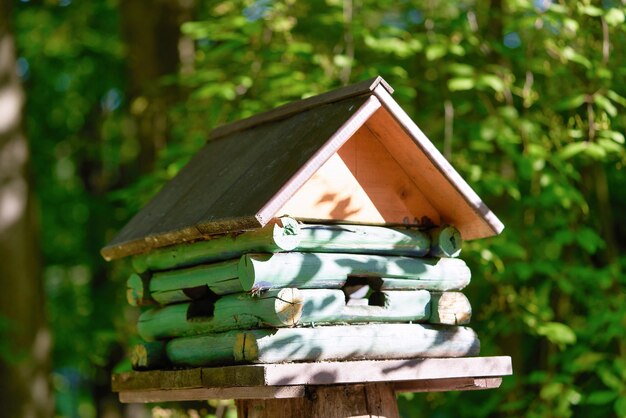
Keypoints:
pixel 302 292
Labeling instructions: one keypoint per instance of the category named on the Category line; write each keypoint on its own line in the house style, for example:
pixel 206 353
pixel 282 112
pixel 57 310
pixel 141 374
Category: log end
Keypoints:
pixel 446 241
pixel 246 348
pixel 288 306
pixel 286 234
pixel 450 308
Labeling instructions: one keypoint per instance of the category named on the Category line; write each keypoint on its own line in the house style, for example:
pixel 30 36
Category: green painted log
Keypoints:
pixel 195 282
pixel 274 308
pixel 452 308
pixel 362 239
pixel 306 270
pixel 329 270
pixel 280 236
pixel 288 235
pixel 446 241
pixel 137 291
pixel 149 356
pixel 321 306
pixel 351 342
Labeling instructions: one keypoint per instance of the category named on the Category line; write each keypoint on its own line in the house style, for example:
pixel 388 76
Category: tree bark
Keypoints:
pixel 25 339
pixel 151 31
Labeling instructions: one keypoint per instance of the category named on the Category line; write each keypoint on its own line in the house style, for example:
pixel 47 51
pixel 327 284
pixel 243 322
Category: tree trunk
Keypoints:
pixel 25 339
pixel 369 400
pixel 151 31
pixel 151 34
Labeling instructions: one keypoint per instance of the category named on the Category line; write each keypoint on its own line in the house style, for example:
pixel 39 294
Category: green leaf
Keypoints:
pixel 492 81
pixel 601 397
pixel 595 151
pixel 605 104
pixel 435 51
pixel 570 54
pixel 571 102
pixel 620 407
pixel 463 70
pixel 614 136
pixel 457 84
pixel 557 333
pixel 614 16
pixel 590 10
pixel 616 97
pixel 572 149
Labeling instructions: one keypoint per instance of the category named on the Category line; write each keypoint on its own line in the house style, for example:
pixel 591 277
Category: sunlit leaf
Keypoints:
pixel 456 84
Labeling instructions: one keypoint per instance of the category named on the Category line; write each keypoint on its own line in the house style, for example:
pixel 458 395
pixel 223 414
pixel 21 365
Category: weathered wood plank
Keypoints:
pixel 381 341
pixel 262 392
pixel 161 379
pixel 326 373
pixel 445 385
pixel 289 109
pixel 318 373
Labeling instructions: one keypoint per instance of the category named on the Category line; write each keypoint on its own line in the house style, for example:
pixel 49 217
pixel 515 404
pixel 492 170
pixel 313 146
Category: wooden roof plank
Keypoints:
pixel 358 89
pixel 228 182
pixel 306 170
pixel 244 177
pixel 493 225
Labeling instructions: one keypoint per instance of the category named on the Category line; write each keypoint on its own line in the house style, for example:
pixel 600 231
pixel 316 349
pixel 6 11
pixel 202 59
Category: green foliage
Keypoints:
pixel 537 98
pixel 526 99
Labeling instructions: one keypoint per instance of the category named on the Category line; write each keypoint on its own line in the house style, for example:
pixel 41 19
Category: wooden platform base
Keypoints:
pixel 298 380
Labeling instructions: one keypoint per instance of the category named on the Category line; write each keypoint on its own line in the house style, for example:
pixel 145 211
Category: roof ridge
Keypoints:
pixel 288 109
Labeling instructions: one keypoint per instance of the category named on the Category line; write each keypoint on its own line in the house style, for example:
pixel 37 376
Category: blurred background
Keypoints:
pixel 103 101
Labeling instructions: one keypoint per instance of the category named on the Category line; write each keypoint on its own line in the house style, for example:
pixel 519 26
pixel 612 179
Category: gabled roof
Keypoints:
pixel 294 158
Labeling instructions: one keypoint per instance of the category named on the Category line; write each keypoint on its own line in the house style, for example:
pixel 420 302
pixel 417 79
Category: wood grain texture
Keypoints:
pixel 452 308
pixel 371 400
pixel 446 385
pixel 191 394
pixel 446 190
pixel 320 373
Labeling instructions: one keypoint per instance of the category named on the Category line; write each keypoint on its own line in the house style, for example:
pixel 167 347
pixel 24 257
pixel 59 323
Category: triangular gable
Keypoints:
pixel 356 142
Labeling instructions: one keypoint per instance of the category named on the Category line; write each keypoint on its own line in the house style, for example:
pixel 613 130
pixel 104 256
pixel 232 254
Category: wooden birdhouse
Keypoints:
pixel 307 247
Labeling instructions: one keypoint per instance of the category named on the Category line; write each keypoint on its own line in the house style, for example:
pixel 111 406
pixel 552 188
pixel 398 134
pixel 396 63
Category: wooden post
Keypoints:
pixel 334 401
